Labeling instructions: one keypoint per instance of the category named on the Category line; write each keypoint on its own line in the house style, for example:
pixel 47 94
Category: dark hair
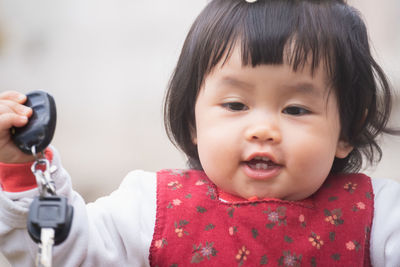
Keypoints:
pixel 329 31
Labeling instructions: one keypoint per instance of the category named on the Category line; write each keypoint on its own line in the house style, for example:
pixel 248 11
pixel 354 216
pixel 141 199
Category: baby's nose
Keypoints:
pixel 264 132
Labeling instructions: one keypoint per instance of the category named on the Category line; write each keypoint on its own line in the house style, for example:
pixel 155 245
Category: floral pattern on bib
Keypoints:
pixel 194 226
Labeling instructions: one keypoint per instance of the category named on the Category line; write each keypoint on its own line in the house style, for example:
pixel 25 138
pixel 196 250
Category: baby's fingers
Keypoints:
pixel 9 106
pixel 13 96
pixel 13 113
pixel 8 120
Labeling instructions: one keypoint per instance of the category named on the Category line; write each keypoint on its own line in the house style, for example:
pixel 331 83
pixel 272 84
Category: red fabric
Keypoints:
pixel 19 177
pixel 194 227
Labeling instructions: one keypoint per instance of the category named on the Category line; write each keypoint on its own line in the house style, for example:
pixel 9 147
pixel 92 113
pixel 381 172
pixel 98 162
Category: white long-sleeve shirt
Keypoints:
pixel 117 230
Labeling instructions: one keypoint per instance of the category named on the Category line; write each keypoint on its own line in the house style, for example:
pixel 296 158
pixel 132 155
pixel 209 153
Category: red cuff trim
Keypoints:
pixel 18 177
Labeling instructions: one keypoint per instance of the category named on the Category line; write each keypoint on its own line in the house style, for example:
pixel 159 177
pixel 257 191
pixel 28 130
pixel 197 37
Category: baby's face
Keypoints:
pixel 267 131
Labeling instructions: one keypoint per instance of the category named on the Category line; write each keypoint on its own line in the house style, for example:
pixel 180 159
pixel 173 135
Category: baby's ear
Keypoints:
pixel 193 135
pixel 194 140
pixel 343 149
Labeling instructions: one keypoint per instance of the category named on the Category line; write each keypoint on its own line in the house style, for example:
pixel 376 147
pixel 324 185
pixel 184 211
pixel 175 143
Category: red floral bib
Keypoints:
pixel 194 227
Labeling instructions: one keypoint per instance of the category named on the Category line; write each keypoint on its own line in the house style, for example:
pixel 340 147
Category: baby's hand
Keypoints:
pixel 12 113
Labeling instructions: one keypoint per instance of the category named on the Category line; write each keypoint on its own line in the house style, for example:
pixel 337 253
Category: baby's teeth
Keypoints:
pixel 260 166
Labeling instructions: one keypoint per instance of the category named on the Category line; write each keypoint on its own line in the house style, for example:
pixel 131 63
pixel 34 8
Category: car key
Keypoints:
pixel 37 134
pixel 50 216
pixel 50 212
pixel 49 223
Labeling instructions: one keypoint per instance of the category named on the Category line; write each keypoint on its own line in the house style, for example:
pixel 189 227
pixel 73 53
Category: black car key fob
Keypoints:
pixel 50 212
pixel 39 130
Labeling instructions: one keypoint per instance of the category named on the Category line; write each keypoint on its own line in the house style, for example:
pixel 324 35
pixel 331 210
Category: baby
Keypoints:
pixel 275 103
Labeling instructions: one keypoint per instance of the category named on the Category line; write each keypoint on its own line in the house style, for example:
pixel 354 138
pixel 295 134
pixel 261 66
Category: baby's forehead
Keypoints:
pixel 309 68
pixel 279 79
pixel 292 50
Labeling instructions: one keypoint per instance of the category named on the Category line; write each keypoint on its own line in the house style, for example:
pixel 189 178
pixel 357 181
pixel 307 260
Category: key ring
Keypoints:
pixel 39 155
pixel 43 178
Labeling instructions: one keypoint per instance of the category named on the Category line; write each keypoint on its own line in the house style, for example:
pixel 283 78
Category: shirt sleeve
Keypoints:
pixel 385 232
pixel 18 177
pixel 124 223
pixel 116 230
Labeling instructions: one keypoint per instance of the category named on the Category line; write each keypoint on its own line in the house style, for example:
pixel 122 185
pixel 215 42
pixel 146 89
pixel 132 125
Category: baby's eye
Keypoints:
pixel 235 106
pixel 293 110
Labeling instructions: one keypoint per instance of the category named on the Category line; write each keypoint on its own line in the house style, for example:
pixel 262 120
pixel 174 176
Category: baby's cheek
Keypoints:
pixel 313 160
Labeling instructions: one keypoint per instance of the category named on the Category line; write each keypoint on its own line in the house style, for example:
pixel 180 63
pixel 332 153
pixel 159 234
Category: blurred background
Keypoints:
pixel 107 63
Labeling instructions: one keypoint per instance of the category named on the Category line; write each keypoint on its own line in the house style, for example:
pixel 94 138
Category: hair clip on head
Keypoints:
pixel 251 1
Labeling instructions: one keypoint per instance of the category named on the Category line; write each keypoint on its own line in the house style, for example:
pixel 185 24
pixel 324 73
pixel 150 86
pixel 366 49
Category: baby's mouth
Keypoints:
pixel 261 163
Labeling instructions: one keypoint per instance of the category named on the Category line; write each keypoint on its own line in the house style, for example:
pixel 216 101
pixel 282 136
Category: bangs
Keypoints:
pixel 275 32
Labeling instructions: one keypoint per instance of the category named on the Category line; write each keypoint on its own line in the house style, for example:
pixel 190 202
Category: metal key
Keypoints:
pixel 38 133
pixel 49 223
pixel 44 257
